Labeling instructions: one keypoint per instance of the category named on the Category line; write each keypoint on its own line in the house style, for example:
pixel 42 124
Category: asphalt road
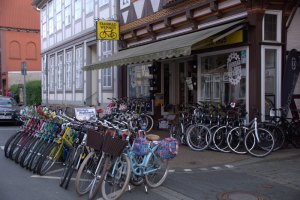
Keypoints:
pixel 277 178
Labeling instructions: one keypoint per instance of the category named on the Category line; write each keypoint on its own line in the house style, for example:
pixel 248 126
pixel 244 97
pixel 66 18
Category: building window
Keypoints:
pixel 107 73
pixel 78 9
pixel 51 20
pixel 69 73
pixel 51 73
pixel 67 12
pixel 58 14
pixel 44 22
pixel 89 6
pixel 107 78
pixel 44 64
pixel 79 65
pixel 60 72
pixel 271 83
pixel 103 2
pixel 272 26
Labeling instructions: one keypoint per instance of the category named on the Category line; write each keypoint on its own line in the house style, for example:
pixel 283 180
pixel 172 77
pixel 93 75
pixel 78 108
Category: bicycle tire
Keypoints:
pixel 51 156
pixel 102 167
pixel 295 135
pixel 9 143
pixel 23 148
pixel 12 149
pixel 110 181
pixel 75 161
pixel 235 139
pixel 157 177
pixel 255 147
pixel 219 139
pixel 199 137
pixel 68 164
pixel 150 123
pixel 278 134
pixel 87 167
pixel 27 153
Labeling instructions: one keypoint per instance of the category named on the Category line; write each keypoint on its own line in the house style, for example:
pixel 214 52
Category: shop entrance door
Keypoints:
pixel 178 85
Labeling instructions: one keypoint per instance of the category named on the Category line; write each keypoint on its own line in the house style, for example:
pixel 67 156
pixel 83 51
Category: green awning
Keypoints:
pixel 169 48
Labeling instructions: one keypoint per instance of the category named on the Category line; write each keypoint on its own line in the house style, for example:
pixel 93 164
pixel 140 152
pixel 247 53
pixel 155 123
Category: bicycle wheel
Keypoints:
pixel 75 161
pixel 277 133
pixel 295 135
pixel 51 156
pixel 116 178
pixel 68 164
pixel 100 171
pixel 150 123
pixel 235 140
pixel 260 144
pixel 9 142
pixel 158 171
pixel 86 173
pixel 219 139
pixel 199 137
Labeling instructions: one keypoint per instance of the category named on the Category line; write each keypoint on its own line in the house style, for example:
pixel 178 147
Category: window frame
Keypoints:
pixel 51 74
pixel 277 77
pixel 67 13
pixel 60 71
pixel 69 74
pixel 89 6
pixel 78 68
pixel 278 13
pixel 77 9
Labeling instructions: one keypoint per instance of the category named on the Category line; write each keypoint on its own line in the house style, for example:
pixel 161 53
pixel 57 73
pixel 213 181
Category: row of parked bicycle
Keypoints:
pixel 206 126
pixel 109 154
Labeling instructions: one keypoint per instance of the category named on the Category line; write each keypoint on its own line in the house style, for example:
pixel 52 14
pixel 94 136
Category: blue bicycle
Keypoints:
pixel 147 167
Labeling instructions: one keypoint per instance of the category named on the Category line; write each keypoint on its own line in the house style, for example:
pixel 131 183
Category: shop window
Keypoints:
pixel 272 26
pixel 139 84
pixel 270 81
pixel 223 78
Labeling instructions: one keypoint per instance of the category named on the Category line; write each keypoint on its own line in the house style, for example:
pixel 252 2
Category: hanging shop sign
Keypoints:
pixel 233 38
pixel 234 68
pixel 108 30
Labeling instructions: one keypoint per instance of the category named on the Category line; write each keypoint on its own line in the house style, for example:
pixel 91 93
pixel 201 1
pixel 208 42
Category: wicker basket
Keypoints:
pixel 113 146
pixel 95 139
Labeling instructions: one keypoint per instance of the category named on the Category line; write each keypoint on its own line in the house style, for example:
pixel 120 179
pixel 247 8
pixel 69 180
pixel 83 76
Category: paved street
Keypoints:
pixel 211 176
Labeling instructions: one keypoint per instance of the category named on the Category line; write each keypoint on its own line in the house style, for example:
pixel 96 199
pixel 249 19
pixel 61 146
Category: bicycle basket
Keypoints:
pixel 94 139
pixel 113 146
pixel 140 146
pixel 168 148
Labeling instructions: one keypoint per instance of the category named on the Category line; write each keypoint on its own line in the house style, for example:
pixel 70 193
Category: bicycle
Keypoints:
pixel 145 166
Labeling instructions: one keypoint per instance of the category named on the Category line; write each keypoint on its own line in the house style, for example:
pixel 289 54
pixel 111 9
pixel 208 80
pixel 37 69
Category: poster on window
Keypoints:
pixel 234 68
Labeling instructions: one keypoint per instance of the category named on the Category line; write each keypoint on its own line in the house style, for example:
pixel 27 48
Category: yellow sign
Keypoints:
pixel 233 38
pixel 108 30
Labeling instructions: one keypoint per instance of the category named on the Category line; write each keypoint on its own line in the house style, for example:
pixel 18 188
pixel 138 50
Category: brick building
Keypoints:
pixel 19 42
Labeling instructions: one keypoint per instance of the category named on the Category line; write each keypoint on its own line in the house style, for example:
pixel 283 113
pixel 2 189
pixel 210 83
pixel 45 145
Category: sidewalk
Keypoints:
pixel 189 159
